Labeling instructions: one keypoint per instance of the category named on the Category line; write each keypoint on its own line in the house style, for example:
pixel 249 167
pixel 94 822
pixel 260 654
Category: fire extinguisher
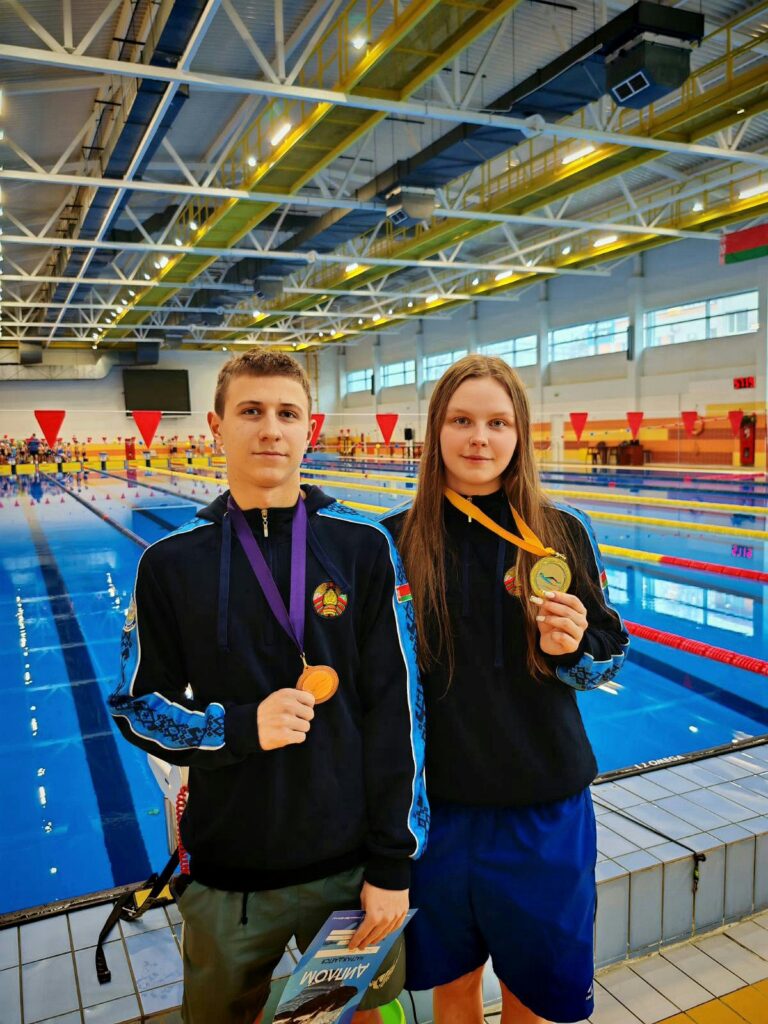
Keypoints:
pixel 747 439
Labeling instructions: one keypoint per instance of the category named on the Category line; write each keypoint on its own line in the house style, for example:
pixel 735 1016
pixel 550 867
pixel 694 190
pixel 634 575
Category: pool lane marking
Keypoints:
pixel 123 840
pixel 701 687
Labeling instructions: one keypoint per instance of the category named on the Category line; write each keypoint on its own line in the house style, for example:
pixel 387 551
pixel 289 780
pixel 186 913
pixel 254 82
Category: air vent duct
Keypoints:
pixel 647 71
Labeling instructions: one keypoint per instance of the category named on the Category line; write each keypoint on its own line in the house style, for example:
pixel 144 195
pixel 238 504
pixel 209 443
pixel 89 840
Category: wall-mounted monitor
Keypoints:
pixel 166 390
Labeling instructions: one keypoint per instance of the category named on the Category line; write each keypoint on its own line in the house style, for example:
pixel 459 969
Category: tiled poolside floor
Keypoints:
pixel 664 952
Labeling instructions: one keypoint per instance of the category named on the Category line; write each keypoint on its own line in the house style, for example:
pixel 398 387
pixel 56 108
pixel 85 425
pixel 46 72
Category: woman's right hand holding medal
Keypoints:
pixel 284 718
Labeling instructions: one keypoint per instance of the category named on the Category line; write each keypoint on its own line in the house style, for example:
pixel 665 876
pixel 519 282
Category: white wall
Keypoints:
pixel 96 408
pixel 660 381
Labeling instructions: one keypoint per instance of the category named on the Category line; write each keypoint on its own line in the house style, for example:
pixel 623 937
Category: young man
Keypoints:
pixel 297 806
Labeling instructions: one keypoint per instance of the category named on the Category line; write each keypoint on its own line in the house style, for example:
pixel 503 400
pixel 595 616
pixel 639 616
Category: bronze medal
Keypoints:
pixel 550 573
pixel 320 680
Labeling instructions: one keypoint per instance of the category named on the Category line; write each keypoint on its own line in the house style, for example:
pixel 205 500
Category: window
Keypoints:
pixel 395 374
pixel 705 607
pixel 618 585
pixel 435 366
pixel 708 318
pixel 516 351
pixel 593 339
pixel 359 380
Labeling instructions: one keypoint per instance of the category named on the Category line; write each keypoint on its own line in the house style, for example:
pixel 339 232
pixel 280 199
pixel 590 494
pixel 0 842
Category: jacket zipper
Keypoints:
pixel 265 522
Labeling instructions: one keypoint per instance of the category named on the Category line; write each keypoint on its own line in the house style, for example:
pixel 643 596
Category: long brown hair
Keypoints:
pixel 423 537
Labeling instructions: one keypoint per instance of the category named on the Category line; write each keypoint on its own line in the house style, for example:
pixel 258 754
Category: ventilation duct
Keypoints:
pixel 567 84
pixel 648 70
pixel 408 206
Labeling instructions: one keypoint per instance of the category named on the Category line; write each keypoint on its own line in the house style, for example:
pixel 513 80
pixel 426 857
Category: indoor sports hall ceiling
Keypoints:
pixel 214 173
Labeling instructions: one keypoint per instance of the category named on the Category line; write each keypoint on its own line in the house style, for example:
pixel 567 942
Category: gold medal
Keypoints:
pixel 320 680
pixel 550 573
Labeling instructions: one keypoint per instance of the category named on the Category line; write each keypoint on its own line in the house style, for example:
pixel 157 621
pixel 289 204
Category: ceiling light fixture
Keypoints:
pixel 281 132
pixel 754 190
pixel 578 154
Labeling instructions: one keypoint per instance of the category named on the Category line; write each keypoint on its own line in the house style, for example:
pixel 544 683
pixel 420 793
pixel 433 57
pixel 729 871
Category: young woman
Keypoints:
pixel 512 618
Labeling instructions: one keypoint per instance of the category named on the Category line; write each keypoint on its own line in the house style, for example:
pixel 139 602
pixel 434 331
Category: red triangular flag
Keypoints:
pixel 634 419
pixel 50 421
pixel 578 422
pixel 689 420
pixel 147 421
pixel 316 422
pixel 387 422
pixel 735 416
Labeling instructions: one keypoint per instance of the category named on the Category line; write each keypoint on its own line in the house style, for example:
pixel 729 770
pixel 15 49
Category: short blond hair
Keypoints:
pixel 259 363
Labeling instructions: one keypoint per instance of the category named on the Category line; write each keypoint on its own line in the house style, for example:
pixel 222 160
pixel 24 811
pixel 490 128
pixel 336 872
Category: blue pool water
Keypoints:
pixel 82 810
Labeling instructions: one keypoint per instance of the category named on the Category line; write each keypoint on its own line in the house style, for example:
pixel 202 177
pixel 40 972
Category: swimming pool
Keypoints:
pixel 82 810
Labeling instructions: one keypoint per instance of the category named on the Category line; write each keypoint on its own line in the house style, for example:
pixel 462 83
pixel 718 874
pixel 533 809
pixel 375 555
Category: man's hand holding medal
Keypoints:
pixel 284 717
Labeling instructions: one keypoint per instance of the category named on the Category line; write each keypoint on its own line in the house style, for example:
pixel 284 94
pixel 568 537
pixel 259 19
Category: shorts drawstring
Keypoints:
pixel 244 911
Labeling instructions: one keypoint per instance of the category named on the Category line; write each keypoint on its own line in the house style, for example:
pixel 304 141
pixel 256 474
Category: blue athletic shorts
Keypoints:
pixel 515 884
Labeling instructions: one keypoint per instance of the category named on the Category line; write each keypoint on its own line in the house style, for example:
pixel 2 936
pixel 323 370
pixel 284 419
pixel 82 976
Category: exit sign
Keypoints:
pixel 743 382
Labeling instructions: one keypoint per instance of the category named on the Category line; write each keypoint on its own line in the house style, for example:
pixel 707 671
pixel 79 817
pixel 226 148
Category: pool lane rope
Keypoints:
pixel 631 555
pixel 598 496
pixel 691 506
pixel 709 651
pixel 611 551
pixel 181 802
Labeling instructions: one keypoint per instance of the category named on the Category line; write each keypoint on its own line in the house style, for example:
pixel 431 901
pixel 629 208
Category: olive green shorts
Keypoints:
pixel 228 964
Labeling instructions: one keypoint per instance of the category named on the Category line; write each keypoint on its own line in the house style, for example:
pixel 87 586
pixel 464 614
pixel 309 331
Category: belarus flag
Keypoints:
pixel 748 244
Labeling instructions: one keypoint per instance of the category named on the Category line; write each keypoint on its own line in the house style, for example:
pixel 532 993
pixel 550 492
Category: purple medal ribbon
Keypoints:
pixel 293 624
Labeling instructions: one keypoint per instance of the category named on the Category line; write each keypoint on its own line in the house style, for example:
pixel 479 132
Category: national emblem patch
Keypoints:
pixel 328 601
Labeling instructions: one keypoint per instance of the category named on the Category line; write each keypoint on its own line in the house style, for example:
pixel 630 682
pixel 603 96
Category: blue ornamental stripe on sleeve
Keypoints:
pixel 153 717
pixel 405 621
pixel 588 674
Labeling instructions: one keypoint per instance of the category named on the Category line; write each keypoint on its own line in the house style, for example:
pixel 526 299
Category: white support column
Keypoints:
pixel 376 359
pixel 542 342
pixel 637 320
pixel 419 354
pixel 472 343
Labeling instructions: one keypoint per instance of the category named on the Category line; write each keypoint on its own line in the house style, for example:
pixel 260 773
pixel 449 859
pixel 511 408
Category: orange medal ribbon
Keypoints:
pixel 550 572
